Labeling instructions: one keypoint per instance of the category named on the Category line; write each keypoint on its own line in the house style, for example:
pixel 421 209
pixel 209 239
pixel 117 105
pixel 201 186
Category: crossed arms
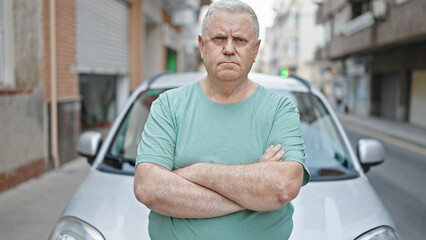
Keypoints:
pixel 206 190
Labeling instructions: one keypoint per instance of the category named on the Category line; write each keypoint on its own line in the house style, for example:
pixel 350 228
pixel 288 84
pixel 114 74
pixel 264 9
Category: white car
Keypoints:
pixel 338 203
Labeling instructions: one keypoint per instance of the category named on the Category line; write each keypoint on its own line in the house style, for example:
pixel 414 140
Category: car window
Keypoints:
pixel 327 155
pixel 121 155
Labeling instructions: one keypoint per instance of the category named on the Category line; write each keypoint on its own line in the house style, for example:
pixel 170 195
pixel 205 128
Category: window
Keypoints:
pixel 293 20
pixel 327 155
pixel 327 31
pixel 1 45
pixel 340 20
pixel 7 47
pixel 359 7
pixel 293 48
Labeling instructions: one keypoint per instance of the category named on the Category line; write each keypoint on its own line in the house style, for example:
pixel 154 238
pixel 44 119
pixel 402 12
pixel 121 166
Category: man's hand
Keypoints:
pixel 206 190
pixel 266 185
pixel 169 194
pixel 272 154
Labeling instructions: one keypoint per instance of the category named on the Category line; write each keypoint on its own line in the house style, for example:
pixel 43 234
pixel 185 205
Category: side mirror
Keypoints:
pixel 370 152
pixel 89 144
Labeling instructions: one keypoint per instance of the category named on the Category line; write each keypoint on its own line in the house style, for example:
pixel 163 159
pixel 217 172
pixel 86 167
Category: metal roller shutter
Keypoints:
pixel 102 36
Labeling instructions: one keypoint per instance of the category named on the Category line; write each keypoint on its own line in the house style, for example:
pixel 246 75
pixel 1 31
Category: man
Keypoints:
pixel 211 162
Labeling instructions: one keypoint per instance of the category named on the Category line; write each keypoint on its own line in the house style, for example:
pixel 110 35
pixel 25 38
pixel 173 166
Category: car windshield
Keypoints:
pixel 327 155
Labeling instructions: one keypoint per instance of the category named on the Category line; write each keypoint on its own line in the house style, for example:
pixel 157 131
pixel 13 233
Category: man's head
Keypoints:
pixel 231 6
pixel 229 42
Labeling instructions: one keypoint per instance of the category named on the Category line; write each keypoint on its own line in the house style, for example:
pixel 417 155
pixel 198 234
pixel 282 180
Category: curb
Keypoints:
pixel 399 133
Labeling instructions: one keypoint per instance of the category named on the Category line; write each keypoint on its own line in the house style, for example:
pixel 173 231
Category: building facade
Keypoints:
pixel 71 65
pixel 376 50
pixel 292 40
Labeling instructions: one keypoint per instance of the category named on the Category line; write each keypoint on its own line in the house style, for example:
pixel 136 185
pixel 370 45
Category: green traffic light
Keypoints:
pixel 285 72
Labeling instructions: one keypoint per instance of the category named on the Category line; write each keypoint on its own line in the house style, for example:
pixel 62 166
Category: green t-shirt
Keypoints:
pixel 186 127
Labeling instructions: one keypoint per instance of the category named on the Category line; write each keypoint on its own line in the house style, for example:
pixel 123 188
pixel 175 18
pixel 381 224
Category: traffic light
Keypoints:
pixel 285 72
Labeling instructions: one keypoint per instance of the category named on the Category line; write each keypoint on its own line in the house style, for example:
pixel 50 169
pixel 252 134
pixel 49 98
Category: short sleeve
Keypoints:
pixel 286 131
pixel 159 136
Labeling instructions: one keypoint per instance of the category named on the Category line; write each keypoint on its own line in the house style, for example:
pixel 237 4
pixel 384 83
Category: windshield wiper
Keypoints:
pixel 117 161
pixel 341 159
pixel 330 174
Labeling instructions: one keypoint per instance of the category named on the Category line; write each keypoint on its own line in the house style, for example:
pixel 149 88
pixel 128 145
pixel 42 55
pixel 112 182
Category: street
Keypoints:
pixel 398 182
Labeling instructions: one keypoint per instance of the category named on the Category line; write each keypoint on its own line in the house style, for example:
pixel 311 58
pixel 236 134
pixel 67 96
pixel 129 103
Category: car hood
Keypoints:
pixel 106 201
pixel 337 210
pixel 323 210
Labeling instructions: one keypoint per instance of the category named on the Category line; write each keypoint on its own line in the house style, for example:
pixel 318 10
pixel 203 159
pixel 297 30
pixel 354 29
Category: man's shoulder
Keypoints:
pixel 177 96
pixel 280 102
pixel 272 96
pixel 181 91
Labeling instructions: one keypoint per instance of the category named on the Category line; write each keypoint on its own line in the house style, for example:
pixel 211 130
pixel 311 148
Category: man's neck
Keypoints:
pixel 229 91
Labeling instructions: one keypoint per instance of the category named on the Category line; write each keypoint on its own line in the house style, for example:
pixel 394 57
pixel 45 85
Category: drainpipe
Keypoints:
pixel 53 99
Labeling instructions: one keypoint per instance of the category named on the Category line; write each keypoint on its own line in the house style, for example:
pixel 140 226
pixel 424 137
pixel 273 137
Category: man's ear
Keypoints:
pixel 256 49
pixel 200 45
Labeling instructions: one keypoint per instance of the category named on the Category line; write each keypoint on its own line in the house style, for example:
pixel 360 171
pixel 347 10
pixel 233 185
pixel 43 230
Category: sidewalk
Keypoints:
pixel 398 130
pixel 31 209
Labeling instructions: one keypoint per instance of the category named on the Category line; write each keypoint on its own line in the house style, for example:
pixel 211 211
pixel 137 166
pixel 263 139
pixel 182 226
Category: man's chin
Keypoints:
pixel 228 75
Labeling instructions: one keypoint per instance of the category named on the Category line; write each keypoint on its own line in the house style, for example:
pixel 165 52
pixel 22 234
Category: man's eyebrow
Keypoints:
pixel 246 36
pixel 217 34
pixel 242 35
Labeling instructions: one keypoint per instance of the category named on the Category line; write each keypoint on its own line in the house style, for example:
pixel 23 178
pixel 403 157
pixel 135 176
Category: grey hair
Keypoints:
pixel 230 6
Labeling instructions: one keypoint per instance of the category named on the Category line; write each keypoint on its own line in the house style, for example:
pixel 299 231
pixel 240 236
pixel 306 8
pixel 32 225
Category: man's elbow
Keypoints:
pixel 144 194
pixel 144 188
pixel 292 182
pixel 288 193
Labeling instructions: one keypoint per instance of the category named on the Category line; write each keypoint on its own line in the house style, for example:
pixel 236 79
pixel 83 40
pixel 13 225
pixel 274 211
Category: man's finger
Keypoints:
pixel 277 157
pixel 264 157
pixel 270 152
pixel 275 154
pixel 273 151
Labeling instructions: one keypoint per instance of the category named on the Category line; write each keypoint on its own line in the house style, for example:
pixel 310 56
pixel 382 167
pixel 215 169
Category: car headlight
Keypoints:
pixel 71 228
pixel 380 233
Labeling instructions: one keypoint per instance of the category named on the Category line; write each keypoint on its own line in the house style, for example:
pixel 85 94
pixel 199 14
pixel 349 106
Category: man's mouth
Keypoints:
pixel 228 63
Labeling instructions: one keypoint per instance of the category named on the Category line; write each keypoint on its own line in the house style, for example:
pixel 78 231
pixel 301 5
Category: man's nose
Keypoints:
pixel 229 48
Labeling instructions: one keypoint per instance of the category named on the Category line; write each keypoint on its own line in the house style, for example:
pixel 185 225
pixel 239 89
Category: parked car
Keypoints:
pixel 338 203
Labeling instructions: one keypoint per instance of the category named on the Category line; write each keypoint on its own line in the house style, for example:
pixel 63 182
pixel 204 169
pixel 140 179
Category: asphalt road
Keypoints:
pixel 400 184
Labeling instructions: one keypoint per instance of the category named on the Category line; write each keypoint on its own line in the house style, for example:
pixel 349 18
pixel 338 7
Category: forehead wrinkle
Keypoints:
pixel 232 26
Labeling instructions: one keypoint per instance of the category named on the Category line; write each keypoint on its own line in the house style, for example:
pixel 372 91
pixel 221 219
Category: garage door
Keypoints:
pixel 102 36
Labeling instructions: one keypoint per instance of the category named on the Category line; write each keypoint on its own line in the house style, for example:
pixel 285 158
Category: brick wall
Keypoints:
pixel 136 36
pixel 66 46
pixel 67 78
pixel 68 101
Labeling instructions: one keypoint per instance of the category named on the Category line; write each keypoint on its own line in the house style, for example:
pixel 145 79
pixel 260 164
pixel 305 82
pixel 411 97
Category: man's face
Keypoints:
pixel 229 46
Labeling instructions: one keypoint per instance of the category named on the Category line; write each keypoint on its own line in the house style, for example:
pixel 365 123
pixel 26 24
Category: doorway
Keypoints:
pixel 385 95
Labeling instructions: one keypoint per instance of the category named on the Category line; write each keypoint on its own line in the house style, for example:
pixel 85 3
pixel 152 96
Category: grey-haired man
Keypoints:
pixel 211 163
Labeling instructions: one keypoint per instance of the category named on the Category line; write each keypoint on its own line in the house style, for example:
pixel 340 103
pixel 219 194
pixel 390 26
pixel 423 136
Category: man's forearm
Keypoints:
pixel 261 186
pixel 169 194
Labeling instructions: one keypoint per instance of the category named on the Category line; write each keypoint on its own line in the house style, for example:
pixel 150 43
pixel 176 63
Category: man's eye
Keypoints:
pixel 218 38
pixel 240 40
